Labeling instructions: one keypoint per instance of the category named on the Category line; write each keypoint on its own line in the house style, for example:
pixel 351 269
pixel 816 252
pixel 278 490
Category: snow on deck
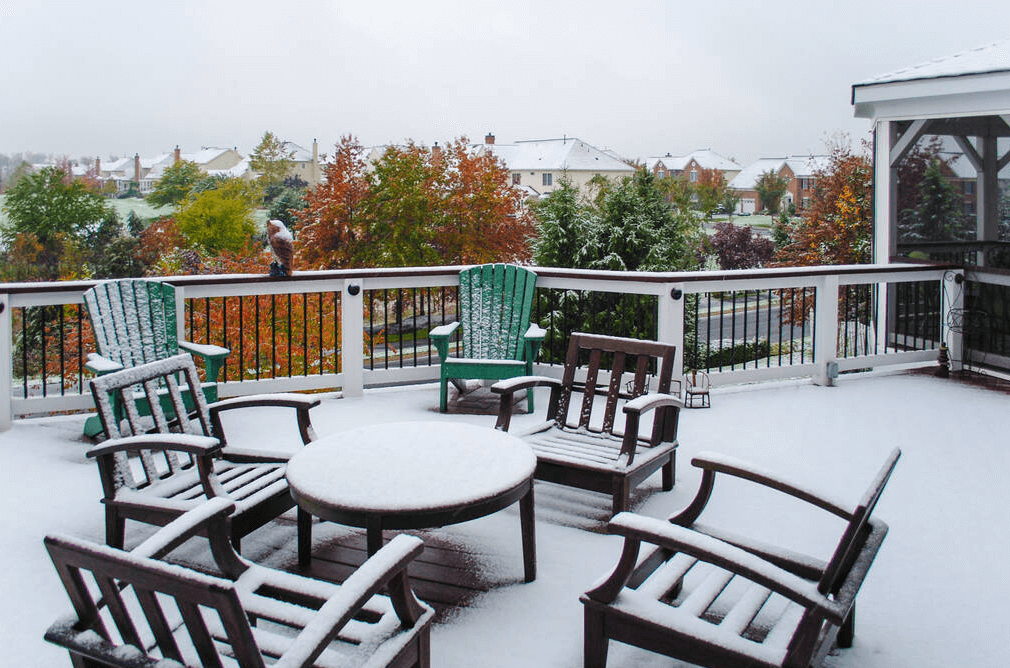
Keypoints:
pixel 934 597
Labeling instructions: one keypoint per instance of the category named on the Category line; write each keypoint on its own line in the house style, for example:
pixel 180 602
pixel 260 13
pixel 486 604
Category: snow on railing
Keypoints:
pixel 357 328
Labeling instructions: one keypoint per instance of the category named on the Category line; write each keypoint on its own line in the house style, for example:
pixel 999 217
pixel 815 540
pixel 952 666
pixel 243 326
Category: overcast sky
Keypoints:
pixel 641 77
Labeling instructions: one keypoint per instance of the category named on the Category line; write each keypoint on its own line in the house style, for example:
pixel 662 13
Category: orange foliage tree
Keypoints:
pixel 837 227
pixel 416 205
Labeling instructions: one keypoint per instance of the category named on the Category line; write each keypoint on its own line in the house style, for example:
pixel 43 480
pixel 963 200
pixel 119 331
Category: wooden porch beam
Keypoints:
pixel 907 140
pixel 969 152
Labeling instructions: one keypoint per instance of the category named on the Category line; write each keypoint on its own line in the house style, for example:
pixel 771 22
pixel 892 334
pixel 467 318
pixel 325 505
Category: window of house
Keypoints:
pixel 969 187
pixel 517 179
pixel 806 202
pixel 806 184
pixel 548 178
pixel 694 175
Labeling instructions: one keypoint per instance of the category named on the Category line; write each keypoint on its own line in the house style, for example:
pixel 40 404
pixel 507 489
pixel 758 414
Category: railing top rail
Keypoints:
pixel 551 272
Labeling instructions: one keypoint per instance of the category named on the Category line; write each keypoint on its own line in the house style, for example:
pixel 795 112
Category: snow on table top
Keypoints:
pixel 410 466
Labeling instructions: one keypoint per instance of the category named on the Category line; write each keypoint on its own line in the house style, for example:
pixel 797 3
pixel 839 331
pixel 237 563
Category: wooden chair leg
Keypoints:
pixel 115 528
pixel 847 632
pixel 304 538
pixel 594 642
pixel 622 495
pixel 669 471
pixel 443 395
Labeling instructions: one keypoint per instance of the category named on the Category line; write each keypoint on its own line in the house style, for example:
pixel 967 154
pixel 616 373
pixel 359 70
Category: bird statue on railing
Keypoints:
pixel 282 246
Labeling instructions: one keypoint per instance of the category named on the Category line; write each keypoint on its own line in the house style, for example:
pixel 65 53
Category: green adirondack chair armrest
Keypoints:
pixel 100 366
pixel 213 357
pixel 440 337
pixel 534 338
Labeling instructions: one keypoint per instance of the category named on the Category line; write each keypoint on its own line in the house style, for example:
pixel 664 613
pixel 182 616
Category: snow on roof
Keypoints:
pixel 802 166
pixel 749 175
pixel 808 165
pixel 299 153
pixel 993 57
pixel 237 171
pixel 569 154
pixel 705 157
pixel 204 155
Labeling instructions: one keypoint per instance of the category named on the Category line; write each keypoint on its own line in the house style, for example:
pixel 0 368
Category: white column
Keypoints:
pixel 352 331
pixel 953 312
pixel 826 338
pixel 885 215
pixel 671 322
pixel 6 364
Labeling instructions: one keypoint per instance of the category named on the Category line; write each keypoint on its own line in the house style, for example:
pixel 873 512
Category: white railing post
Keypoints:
pixel 352 332
pixel 180 313
pixel 6 364
pixel 826 327
pixel 671 322
pixel 952 312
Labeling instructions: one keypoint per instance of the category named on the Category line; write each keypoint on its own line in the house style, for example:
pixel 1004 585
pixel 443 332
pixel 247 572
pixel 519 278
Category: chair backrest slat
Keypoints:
pixel 153 379
pixel 856 530
pixel 154 584
pixel 134 320
pixel 495 303
pixel 643 356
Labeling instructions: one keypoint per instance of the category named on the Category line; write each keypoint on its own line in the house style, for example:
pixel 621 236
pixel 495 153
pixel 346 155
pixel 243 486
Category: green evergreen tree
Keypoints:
pixel 175 184
pixel 939 214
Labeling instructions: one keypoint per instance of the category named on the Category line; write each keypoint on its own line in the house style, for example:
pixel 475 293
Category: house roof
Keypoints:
pixel 705 157
pixel 802 166
pixel 749 175
pixel 569 154
pixel 299 153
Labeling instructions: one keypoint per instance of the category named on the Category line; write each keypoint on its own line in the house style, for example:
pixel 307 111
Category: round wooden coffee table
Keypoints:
pixel 414 475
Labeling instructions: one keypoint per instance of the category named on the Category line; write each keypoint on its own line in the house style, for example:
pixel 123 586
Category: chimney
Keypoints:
pixel 178 154
pixel 98 166
pixel 136 167
pixel 314 172
pixel 436 154
pixel 489 139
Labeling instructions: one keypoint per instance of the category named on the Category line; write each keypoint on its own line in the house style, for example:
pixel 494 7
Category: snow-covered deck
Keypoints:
pixel 935 596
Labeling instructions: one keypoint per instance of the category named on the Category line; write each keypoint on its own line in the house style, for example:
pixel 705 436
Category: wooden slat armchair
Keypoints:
pixel 134 321
pixel 498 341
pixel 598 456
pixel 133 610
pixel 711 598
pixel 154 477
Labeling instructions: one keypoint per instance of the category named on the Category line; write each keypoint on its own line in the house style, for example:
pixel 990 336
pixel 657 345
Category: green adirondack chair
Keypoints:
pixel 496 338
pixel 134 321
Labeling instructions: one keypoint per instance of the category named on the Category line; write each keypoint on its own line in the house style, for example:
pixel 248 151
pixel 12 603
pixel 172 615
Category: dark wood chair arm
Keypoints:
pixel 299 402
pixel 184 527
pixel 507 389
pixel 712 463
pixel 387 567
pixel 723 555
pixel 188 443
pixel 648 402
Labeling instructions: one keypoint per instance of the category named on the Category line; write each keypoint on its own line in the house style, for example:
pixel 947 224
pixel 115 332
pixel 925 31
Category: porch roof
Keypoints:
pixel 936 577
pixel 975 82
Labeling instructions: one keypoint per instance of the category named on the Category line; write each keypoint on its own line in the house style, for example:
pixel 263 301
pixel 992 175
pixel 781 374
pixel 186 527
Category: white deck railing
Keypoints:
pixel 23 392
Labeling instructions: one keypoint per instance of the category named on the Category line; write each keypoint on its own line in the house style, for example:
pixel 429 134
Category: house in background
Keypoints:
pixel 799 172
pixel 143 174
pixel 539 165
pixel 305 163
pixel 689 166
